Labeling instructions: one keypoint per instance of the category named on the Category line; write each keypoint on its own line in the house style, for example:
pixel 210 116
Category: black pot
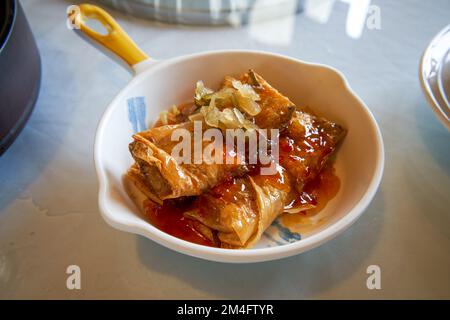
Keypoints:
pixel 20 71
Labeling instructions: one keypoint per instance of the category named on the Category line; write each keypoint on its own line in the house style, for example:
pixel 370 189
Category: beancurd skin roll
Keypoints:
pixel 276 109
pixel 168 179
pixel 306 145
pixel 165 177
pixel 240 212
pixel 242 209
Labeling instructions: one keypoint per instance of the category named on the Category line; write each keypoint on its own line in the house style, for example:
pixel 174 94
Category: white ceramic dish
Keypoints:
pixel 157 85
pixel 434 74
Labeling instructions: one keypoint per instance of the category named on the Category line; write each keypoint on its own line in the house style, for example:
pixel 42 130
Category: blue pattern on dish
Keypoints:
pixel 279 235
pixel 136 113
pixel 286 234
pixel 273 240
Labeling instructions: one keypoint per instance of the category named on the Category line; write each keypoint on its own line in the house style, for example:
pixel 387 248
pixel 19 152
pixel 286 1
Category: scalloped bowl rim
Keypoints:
pixel 424 83
pixel 232 255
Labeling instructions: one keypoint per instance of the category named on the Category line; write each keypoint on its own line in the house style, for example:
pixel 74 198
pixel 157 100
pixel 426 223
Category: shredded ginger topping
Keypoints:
pixel 228 107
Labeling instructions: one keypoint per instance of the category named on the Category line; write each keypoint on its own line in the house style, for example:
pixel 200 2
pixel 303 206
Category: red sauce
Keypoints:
pixel 322 189
pixel 318 192
pixel 230 189
pixel 169 218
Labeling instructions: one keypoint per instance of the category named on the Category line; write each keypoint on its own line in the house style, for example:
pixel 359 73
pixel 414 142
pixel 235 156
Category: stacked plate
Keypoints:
pixel 435 75
pixel 207 12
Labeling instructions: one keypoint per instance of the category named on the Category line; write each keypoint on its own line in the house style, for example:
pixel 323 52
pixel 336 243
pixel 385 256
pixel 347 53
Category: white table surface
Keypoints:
pixel 49 217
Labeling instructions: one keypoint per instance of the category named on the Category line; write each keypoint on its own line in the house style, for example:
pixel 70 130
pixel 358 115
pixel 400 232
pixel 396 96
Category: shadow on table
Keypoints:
pixel 43 135
pixel 434 136
pixel 303 276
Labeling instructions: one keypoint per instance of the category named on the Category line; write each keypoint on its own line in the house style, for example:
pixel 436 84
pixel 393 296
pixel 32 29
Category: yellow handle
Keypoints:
pixel 116 39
